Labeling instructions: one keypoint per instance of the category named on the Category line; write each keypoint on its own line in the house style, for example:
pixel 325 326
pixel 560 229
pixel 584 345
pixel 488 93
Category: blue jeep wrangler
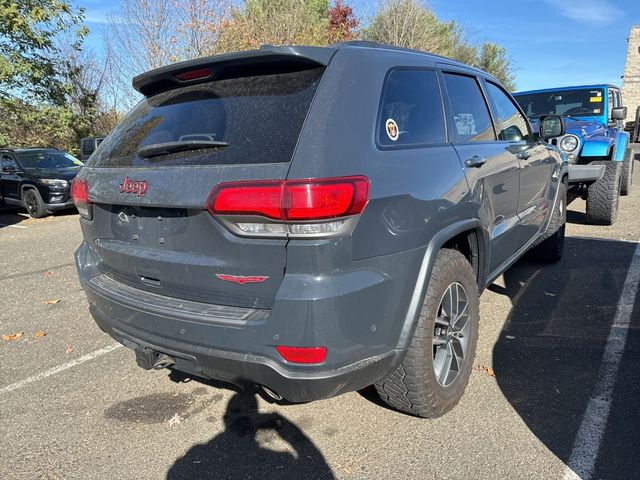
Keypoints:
pixel 595 143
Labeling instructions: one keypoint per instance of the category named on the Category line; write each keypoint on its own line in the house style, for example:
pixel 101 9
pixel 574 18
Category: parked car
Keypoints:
pixel 88 145
pixel 596 145
pixel 315 220
pixel 37 179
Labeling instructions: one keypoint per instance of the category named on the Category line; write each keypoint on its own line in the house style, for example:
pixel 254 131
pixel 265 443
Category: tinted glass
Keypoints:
pixel 470 113
pixel 411 109
pixel 8 163
pixel 47 159
pixel 512 126
pixel 570 103
pixel 259 118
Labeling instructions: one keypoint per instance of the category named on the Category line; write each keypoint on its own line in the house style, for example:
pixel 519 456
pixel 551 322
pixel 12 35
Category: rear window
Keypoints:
pixel 259 118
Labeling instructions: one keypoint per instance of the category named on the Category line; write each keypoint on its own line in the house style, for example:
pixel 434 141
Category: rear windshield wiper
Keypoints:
pixel 156 149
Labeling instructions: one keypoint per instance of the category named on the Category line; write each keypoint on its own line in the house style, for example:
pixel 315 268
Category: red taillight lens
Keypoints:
pixel 303 354
pixel 294 200
pixel 247 198
pixel 193 74
pixel 330 198
pixel 80 197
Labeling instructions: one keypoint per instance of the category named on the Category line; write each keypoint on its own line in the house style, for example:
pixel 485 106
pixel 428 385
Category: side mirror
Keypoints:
pixel 551 126
pixel 619 113
pixel 8 169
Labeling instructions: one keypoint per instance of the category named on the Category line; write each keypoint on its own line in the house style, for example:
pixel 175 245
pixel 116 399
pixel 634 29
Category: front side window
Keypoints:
pixel 411 112
pixel 471 117
pixel 512 126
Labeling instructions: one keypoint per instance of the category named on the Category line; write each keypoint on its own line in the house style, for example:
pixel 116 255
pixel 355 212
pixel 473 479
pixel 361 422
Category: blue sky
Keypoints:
pixel 550 42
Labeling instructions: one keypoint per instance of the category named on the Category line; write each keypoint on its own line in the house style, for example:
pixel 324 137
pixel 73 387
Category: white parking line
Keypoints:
pixel 58 369
pixel 12 226
pixel 587 443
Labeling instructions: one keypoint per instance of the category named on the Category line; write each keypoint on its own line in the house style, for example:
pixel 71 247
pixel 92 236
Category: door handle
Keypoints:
pixel 475 161
pixel 523 155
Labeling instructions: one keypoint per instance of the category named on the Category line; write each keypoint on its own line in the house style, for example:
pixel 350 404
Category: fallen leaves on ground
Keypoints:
pixel 175 420
pixel 52 302
pixel 69 349
pixel 12 336
pixel 40 334
pixel 484 368
pixel 48 274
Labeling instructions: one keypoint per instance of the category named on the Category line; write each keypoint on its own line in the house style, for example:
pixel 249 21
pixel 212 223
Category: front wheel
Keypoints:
pixel 603 195
pixel 34 204
pixel 432 377
pixel 551 248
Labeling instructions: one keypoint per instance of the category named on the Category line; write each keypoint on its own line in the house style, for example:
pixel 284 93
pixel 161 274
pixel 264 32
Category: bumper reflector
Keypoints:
pixel 303 354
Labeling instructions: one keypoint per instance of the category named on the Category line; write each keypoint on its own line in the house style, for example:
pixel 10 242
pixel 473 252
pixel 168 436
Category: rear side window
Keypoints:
pixel 512 126
pixel 258 118
pixel 411 111
pixel 471 117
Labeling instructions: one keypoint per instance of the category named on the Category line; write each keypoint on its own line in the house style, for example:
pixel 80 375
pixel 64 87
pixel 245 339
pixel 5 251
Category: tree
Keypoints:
pixel 281 22
pixel 30 65
pixel 493 59
pixel 342 22
pixel 410 24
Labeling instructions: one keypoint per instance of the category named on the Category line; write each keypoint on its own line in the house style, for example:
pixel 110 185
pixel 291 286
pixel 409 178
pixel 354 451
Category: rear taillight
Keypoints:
pixel 290 208
pixel 80 197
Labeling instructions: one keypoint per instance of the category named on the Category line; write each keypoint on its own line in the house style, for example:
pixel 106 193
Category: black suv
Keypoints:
pixel 37 179
pixel 315 220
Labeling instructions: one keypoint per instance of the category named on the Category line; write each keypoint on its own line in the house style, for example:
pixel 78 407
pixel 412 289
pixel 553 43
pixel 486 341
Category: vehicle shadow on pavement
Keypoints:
pixel 240 451
pixel 549 353
pixel 11 216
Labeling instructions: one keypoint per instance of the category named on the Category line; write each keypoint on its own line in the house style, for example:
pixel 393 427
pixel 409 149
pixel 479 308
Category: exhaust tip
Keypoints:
pixel 271 393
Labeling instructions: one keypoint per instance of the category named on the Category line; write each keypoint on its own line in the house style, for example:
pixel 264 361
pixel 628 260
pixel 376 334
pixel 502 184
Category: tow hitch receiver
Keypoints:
pixel 148 359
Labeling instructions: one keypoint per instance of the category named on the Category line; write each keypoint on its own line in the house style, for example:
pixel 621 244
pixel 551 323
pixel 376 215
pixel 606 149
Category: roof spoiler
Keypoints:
pixel 267 60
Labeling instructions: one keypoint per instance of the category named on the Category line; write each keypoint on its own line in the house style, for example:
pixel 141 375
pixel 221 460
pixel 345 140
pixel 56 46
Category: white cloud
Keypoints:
pixel 592 12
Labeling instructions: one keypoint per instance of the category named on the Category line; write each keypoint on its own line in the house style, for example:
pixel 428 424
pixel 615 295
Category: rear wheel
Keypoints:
pixel 604 194
pixel 34 204
pixel 551 247
pixel 626 177
pixel 434 374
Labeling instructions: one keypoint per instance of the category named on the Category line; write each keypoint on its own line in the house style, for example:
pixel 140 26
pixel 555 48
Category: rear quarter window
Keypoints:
pixel 411 111
pixel 259 118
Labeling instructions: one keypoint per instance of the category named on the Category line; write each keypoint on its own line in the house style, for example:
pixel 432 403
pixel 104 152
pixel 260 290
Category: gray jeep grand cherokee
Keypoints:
pixel 315 220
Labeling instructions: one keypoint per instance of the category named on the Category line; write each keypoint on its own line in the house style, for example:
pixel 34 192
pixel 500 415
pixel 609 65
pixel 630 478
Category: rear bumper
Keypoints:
pixel 238 344
pixel 235 367
pixel 585 173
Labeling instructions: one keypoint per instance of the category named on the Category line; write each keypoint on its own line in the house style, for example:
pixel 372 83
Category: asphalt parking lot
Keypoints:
pixel 557 383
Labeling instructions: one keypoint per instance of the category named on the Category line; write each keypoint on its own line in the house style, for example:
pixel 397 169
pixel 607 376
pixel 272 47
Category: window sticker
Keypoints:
pixel 392 129
pixel 595 99
pixel 597 111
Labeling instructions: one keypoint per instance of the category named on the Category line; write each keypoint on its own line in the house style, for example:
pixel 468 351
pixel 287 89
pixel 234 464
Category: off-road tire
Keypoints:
pixel 551 248
pixel 603 195
pixel 412 387
pixel 626 177
pixel 34 204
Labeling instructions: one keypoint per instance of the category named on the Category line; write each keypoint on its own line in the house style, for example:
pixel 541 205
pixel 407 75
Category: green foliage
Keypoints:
pixel 494 59
pixel 29 60
pixel 279 22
